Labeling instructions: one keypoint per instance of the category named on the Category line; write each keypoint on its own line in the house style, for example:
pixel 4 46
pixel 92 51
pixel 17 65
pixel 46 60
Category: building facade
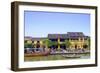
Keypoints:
pixel 71 40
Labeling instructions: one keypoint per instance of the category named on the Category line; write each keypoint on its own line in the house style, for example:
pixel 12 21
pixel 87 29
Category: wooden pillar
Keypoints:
pixel 41 44
pixel 70 45
pixel 58 43
pixel 79 42
pixel 35 43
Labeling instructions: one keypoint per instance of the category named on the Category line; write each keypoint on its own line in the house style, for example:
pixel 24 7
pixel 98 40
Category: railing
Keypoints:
pixel 69 52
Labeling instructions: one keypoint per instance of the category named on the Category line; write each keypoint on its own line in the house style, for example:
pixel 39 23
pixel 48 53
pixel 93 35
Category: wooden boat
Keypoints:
pixel 71 56
pixel 37 54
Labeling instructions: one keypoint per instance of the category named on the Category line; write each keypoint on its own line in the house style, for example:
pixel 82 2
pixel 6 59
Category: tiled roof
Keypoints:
pixel 34 38
pixel 73 35
pixel 80 34
pixel 27 38
pixel 38 39
pixel 57 36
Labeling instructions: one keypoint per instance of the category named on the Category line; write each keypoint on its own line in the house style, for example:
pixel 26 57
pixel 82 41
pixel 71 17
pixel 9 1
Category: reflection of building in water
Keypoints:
pixel 72 40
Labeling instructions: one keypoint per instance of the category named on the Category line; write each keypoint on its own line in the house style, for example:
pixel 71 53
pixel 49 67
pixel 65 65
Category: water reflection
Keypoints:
pixel 55 57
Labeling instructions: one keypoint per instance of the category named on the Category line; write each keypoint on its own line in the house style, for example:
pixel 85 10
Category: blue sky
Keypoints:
pixel 40 24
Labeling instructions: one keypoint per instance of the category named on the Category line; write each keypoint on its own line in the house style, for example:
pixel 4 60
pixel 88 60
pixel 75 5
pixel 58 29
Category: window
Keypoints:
pixel 25 41
pixel 32 41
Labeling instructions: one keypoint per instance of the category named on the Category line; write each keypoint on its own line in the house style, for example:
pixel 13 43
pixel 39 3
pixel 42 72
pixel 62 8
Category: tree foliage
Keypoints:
pixel 26 45
pixel 67 43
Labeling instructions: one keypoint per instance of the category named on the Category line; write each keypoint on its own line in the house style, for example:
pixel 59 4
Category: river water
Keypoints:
pixel 54 57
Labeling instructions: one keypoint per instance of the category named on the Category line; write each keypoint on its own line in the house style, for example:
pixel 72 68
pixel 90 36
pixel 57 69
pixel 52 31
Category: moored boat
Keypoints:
pixel 45 53
pixel 72 56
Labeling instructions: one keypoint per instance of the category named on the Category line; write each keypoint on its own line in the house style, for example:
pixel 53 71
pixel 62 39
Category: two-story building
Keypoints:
pixel 76 40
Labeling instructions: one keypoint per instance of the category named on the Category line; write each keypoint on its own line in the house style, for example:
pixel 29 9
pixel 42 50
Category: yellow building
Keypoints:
pixel 35 42
pixel 75 40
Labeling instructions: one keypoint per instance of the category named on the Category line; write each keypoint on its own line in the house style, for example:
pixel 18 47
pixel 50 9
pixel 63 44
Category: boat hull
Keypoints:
pixel 36 54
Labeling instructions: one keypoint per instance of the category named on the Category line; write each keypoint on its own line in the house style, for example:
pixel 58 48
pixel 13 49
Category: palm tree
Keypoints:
pixel 47 43
pixel 89 42
pixel 67 43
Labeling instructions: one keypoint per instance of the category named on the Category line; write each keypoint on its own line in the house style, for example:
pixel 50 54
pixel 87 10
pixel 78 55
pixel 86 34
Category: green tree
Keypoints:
pixel 63 43
pixel 26 45
pixel 47 43
pixel 67 43
pixel 89 42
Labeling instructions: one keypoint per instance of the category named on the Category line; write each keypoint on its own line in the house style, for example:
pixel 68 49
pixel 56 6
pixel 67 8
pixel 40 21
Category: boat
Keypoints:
pixel 72 56
pixel 35 54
